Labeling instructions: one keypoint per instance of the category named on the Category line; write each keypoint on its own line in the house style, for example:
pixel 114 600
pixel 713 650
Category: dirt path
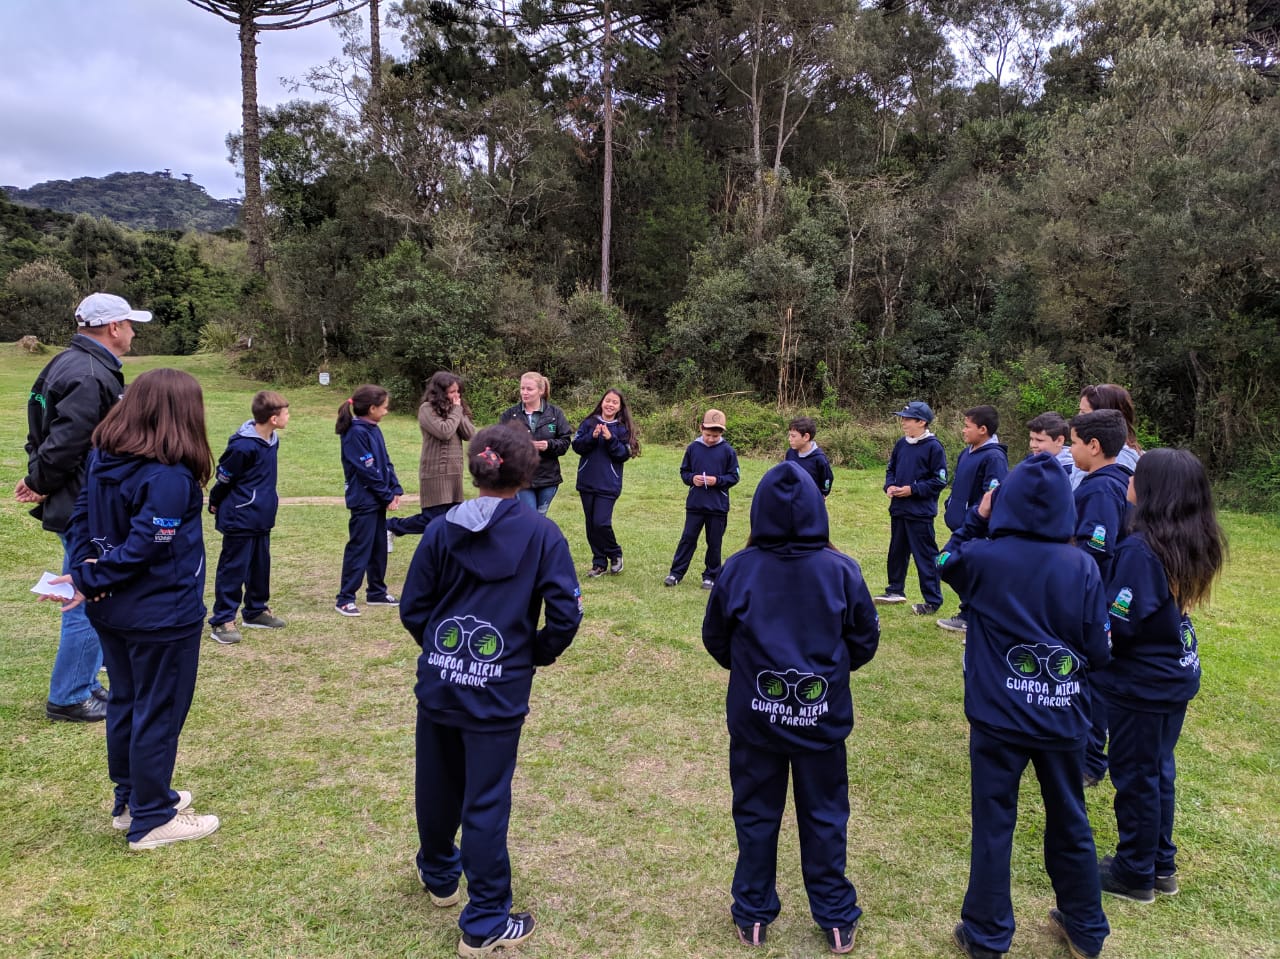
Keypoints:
pixel 409 499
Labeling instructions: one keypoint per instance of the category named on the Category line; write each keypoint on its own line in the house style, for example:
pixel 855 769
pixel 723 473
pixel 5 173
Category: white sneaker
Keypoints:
pixel 125 819
pixel 391 542
pixel 185 825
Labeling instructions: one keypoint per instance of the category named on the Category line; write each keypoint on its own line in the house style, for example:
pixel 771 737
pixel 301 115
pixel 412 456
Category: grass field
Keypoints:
pixel 622 842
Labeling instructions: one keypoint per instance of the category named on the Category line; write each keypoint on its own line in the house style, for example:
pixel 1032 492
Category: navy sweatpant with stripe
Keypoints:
pixel 1070 858
pixel 245 562
pixel 821 786
pixel 365 557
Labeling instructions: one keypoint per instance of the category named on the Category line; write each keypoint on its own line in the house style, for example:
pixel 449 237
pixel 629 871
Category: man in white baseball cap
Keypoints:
pixel 70 397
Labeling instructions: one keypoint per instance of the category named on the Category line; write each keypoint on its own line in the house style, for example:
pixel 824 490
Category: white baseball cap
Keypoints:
pixel 99 309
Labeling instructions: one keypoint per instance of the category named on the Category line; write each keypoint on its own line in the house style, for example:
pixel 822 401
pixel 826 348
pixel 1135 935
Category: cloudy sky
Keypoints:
pixel 89 87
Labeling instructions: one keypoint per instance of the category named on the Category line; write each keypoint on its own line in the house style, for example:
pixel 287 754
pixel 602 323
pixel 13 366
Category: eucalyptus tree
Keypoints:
pixel 252 17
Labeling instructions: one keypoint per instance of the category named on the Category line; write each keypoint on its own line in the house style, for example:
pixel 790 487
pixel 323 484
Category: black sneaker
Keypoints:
pixel 92 710
pixel 923 609
pixel 671 580
pixel 1167 885
pixel 387 600
pixel 1058 924
pixel 1112 887
pixel 969 947
pixel 708 582
pixel 754 934
pixel 616 566
pixel 595 571
pixel 519 928
pixel 1090 780
pixel 888 599
pixel 840 939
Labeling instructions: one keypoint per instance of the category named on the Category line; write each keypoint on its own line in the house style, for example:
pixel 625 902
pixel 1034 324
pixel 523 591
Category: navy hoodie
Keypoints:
pixel 1037 613
pixel 244 496
pixel 1101 505
pixel 140 521
pixel 922 466
pixel 814 463
pixel 476 589
pixel 370 479
pixel 790 619
pixel 975 471
pixel 720 461
pixel 1156 664
pixel 600 466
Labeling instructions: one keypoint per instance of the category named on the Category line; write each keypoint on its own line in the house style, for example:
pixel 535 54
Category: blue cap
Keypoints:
pixel 916 410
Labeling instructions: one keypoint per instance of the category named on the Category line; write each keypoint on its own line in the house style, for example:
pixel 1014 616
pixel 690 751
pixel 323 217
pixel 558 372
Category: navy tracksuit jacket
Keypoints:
pixel 816 464
pixel 1155 672
pixel 706 507
pixel 244 503
pixel 922 465
pixel 790 619
pixel 370 484
pixel 1037 633
pixel 140 521
pixel 481 579
pixel 600 484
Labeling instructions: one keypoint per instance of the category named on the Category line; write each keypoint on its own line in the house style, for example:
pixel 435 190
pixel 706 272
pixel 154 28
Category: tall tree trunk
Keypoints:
pixel 375 73
pixel 255 219
pixel 606 203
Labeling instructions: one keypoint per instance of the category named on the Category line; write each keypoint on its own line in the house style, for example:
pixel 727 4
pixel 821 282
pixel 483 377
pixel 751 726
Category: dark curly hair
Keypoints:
pixel 437 393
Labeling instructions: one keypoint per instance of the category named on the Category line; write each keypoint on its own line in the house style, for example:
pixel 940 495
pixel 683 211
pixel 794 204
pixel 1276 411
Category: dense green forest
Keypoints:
pixel 838 204
pixel 144 201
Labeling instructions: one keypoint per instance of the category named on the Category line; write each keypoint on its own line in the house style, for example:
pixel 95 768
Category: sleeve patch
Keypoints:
pixel 1098 539
pixel 165 528
pixel 1120 605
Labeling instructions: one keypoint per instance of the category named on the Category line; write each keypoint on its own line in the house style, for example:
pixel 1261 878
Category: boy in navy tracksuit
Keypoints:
pixel 982 465
pixel 916 474
pixel 789 706
pixel 807 454
pixel 1101 505
pixel 710 470
pixel 479 582
pixel 244 502
pixel 1037 628
pixel 1050 433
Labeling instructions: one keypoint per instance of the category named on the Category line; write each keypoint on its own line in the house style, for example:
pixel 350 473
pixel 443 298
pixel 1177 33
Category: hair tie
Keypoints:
pixel 351 401
pixel 489 456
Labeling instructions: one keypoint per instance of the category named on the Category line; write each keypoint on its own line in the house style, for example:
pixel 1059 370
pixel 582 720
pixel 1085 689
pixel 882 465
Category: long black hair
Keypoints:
pixel 624 417
pixel 1175 514
pixel 437 393
pixel 358 404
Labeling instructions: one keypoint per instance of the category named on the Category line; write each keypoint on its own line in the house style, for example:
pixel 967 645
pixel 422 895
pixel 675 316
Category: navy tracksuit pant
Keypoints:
pixel 1070 858
pixel 365 557
pixel 152 684
pixel 821 786
pixel 598 510
pixel 694 523
pixel 245 561
pixel 463 780
pixel 913 538
pixel 1143 772
pixel 417 525
pixel 1095 747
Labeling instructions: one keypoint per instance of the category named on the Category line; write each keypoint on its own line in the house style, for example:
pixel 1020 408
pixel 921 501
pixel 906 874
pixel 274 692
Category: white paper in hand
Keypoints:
pixel 48 588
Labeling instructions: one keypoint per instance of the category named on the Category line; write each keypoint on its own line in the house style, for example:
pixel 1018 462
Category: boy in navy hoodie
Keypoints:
pixel 1037 628
pixel 480 581
pixel 807 454
pixel 710 470
pixel 916 474
pixel 1051 433
pixel 789 706
pixel 244 502
pixel 1101 505
pixel 982 465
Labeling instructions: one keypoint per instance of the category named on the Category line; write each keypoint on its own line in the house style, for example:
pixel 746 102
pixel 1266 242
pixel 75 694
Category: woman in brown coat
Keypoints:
pixel 445 421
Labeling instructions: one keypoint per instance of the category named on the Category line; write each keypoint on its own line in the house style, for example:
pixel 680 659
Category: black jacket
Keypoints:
pixel 548 424
pixel 68 400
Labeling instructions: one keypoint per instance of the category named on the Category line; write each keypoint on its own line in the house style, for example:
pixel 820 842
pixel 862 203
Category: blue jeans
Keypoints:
pixel 75 667
pixel 539 499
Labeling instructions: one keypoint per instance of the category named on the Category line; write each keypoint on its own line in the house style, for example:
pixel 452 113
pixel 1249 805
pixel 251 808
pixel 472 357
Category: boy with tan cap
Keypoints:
pixel 709 469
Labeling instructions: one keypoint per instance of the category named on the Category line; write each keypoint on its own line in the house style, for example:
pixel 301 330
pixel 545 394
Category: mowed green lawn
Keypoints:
pixel 621 841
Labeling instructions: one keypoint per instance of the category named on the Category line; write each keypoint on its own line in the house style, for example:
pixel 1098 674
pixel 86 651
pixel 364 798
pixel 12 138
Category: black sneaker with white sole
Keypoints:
pixel 520 927
pixel 615 567
pixel 888 599
pixel 387 600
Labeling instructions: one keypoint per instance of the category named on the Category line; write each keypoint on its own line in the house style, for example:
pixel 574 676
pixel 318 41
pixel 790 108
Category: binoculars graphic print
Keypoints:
pixel 479 638
pixel 808 689
pixel 1055 662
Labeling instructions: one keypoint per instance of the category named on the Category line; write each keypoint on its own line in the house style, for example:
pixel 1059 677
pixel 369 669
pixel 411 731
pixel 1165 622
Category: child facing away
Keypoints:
pixel 1050 433
pixel 243 502
pixel 1101 506
pixel 137 552
pixel 1163 569
pixel 981 466
pixel 710 470
pixel 1037 634
pixel 807 454
pixel 605 440
pixel 791 618
pixel 916 475
pixel 477 587
pixel 371 487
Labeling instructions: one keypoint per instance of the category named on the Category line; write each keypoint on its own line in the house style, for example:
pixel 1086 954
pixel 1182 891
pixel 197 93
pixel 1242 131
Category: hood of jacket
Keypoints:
pixel 475 546
pixel 249 432
pixel 787 511
pixel 1035 500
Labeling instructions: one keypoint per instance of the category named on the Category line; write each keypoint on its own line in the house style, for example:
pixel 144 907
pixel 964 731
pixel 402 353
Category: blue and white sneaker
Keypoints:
pixel 519 928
